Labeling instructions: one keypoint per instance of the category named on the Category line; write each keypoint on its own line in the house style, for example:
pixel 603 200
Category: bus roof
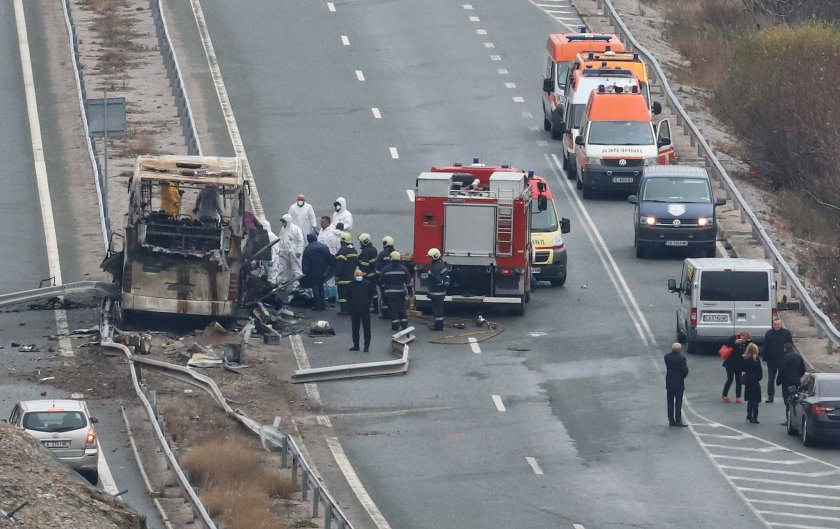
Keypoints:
pixel 197 170
pixel 563 47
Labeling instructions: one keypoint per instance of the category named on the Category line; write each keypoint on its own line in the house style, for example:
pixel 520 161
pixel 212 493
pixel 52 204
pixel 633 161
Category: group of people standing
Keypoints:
pixel 742 361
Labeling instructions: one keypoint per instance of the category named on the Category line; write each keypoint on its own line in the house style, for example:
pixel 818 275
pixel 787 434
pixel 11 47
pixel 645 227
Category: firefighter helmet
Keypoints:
pixel 364 238
pixel 387 241
pixel 346 237
pixel 434 253
pixel 395 256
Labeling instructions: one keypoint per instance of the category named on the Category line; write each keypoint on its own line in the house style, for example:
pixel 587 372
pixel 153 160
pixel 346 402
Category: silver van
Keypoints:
pixel 720 297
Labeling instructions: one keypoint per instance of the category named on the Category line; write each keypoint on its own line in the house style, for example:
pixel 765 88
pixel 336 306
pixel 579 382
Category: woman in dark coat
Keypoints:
pixel 752 381
pixel 739 344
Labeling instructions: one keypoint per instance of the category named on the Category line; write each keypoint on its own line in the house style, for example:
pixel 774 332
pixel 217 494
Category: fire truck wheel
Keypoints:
pixel 559 281
pixel 588 192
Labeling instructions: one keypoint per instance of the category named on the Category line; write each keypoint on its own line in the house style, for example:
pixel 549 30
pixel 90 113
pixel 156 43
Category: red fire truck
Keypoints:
pixel 479 217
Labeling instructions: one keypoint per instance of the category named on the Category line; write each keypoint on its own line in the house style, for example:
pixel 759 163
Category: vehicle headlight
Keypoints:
pixel 593 160
pixel 557 241
pixel 705 221
pixel 648 220
pixel 652 161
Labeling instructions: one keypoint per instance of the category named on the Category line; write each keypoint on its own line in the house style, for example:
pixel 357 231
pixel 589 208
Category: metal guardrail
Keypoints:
pixel 816 317
pixel 103 288
pixel 170 61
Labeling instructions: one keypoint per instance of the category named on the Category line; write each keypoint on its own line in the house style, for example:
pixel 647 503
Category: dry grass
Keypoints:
pixel 241 509
pixel 101 6
pixel 139 143
pixel 188 419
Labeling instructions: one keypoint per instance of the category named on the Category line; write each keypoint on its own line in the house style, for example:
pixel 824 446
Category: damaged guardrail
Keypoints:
pixel 102 288
pixel 399 344
pixel 816 317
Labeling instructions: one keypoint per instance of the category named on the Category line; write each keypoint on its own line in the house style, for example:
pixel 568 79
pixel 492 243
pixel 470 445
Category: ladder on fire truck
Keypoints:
pixel 504 223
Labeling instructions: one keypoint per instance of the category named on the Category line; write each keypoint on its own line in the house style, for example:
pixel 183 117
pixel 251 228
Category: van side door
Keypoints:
pixel 664 143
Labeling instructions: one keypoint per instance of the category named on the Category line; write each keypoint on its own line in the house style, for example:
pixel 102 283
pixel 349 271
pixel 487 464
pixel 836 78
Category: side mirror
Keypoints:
pixel 672 285
pixel 94 420
pixel 542 202
pixel 579 141
pixel 720 201
pixel 548 85
pixel 656 108
pixel 542 187
pixel 565 225
pixel 633 199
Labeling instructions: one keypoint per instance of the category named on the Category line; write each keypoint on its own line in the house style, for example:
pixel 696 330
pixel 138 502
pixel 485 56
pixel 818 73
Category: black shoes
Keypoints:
pixel 769 400
pixel 366 349
pixel 681 424
pixel 754 421
pixel 354 348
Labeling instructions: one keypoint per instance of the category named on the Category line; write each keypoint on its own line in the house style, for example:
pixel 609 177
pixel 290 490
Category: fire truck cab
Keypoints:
pixel 483 232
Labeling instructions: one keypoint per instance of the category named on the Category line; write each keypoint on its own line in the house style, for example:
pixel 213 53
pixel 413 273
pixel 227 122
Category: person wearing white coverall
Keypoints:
pixel 272 267
pixel 291 249
pixel 303 215
pixel 342 214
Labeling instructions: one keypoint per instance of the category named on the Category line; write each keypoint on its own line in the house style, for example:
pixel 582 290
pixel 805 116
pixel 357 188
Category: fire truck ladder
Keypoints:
pixel 504 223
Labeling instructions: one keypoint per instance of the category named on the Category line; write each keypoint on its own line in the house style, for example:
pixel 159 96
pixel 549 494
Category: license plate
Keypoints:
pixel 721 318
pixel 622 180
pixel 535 270
pixel 56 444
pixel 676 243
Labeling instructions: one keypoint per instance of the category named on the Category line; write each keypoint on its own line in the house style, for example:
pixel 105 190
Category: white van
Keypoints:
pixel 720 297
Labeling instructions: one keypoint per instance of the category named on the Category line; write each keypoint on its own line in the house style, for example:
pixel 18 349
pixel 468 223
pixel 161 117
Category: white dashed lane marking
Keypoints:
pixel 495 57
pixel 534 466
pixel 359 75
pixel 489 45
pixel 410 193
pixel 518 99
pixel 475 19
pixel 331 7
pixel 481 32
pixel 468 7
pixel 474 345
pixel 345 40
pixel 497 400
pixel 376 113
pixel 394 154
pixel 510 85
pixel 502 71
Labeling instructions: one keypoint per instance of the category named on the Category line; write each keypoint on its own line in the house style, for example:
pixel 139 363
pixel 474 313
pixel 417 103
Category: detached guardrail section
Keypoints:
pixel 816 317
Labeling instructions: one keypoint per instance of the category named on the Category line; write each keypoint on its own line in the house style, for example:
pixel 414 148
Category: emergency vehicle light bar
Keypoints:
pixel 606 71
pixel 589 36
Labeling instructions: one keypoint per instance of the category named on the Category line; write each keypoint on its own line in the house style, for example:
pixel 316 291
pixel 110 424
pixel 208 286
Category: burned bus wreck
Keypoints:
pixel 183 237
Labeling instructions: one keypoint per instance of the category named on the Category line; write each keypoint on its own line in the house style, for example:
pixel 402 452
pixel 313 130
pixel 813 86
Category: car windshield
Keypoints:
pixel 830 388
pixel 576 113
pixel 620 133
pixel 54 421
pixel 544 221
pixel 685 190
pixel 734 286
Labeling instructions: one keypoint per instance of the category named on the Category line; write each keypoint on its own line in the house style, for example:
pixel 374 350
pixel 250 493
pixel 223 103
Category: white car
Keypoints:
pixel 66 428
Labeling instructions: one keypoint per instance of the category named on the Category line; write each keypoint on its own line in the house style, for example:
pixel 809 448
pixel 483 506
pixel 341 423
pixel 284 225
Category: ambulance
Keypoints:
pixel 617 140
pixel 561 49
pixel 614 60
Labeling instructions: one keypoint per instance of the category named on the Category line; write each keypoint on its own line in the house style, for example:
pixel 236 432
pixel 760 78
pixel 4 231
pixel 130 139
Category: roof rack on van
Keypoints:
pixel 589 36
pixel 611 56
pixel 606 71
pixel 616 89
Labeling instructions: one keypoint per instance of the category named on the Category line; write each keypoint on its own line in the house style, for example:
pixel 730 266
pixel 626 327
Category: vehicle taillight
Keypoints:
pixel 126 278
pixel 233 289
pixel 693 318
pixel 506 271
pixel 821 409
pixel 90 440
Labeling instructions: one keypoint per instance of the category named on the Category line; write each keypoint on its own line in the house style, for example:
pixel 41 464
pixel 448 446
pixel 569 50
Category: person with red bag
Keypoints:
pixel 734 364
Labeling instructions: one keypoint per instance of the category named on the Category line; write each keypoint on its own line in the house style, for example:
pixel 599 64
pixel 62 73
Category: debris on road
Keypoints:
pixel 31 348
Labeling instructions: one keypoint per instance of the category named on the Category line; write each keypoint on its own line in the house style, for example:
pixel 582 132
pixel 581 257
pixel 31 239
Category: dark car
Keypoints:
pixel 675 208
pixel 815 408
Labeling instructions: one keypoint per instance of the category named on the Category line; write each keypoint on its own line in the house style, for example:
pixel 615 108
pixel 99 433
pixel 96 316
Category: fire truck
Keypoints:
pixel 479 217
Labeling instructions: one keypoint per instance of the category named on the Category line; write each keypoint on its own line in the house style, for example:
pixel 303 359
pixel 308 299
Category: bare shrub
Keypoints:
pixel 139 144
pixel 188 418
pixel 827 271
pixel 241 508
pixel 101 5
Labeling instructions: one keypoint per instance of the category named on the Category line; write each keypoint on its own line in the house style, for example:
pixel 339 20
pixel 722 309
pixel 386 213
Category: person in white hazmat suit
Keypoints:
pixel 290 250
pixel 303 215
pixel 272 267
pixel 342 214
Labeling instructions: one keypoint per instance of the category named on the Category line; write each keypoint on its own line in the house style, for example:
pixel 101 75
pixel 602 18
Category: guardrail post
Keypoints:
pixel 304 485
pixel 328 516
pixel 316 499
pixel 829 347
pixel 294 465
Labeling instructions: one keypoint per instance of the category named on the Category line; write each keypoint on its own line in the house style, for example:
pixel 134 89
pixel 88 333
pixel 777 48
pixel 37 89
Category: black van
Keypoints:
pixel 675 208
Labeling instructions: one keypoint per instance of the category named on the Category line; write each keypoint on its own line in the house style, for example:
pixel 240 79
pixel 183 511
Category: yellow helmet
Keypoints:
pixel 395 256
pixel 346 237
pixel 387 241
pixel 364 238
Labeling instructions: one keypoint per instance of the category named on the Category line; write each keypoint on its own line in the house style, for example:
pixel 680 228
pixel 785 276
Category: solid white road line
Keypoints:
pixel 783 472
pixel 474 345
pixel 410 193
pixel 789 493
pixel 394 154
pixel 800 505
pixel 345 40
pixel 786 482
pixel 798 526
pixel 105 476
pixel 303 363
pixel 569 28
pixel 497 400
pixel 359 75
pixel 376 113
pixel 356 484
pixel 534 465
pixel 797 515
pixel 331 7
pixel 747 449
pixel 53 259
pixel 760 460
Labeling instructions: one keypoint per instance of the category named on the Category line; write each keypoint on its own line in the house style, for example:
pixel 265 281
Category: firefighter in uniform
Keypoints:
pixel 346 261
pixel 438 283
pixel 381 260
pixel 396 286
pixel 367 264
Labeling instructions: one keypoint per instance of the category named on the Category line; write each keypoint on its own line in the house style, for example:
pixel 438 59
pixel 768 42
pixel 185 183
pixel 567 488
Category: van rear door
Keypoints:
pixel 735 300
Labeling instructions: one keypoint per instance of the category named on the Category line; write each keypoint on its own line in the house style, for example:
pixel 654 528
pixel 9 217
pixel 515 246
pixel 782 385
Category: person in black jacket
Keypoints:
pixel 317 263
pixel 772 352
pixel 739 344
pixel 676 369
pixel 438 283
pixel 791 369
pixel 346 261
pixel 752 381
pixel 381 260
pixel 396 286
pixel 360 293
pixel 367 264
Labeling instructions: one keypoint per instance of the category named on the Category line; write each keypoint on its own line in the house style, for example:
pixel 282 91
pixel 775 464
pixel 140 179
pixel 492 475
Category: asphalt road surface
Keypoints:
pixel 559 421
pixel 24 260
